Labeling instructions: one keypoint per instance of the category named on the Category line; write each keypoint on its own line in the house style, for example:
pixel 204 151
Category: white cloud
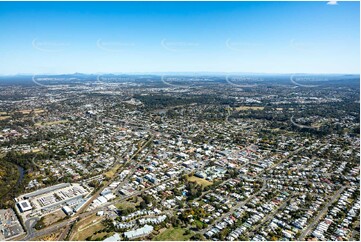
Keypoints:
pixel 332 3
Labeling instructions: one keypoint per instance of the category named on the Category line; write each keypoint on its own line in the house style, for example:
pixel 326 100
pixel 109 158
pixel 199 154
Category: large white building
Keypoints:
pixel 24 206
pixel 147 229
pixel 67 210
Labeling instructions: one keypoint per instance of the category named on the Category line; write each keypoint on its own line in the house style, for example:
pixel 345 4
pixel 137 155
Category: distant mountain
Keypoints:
pixel 262 78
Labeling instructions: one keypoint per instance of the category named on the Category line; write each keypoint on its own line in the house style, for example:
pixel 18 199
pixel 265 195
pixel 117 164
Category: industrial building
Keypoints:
pixel 24 206
pixel 67 210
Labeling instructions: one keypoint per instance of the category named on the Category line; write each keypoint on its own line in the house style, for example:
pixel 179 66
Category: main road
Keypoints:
pixel 31 233
pixel 320 215
pixel 52 228
pixel 29 224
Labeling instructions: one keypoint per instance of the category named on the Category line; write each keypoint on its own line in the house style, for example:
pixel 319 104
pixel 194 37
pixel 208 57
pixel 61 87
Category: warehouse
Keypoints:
pixel 67 210
pixel 24 206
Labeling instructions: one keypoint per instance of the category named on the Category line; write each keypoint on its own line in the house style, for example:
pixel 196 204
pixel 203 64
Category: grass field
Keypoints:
pixel 51 237
pixel 173 234
pixel 4 117
pixel 51 123
pixel 54 217
pixel 243 108
pixel 27 111
pixel 87 227
pixel 101 235
pixel 200 181
pixel 112 171
pixel 128 204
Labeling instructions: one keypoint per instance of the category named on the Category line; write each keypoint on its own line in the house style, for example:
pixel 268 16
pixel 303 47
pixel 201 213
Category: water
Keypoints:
pixel 21 174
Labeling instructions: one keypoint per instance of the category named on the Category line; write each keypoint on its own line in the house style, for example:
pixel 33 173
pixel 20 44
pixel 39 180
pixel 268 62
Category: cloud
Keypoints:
pixel 332 3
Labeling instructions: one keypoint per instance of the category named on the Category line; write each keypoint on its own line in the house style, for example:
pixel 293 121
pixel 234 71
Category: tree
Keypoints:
pixel 197 237
pixel 143 205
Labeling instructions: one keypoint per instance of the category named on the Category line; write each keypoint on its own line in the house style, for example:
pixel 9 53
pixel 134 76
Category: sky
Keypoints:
pixel 144 37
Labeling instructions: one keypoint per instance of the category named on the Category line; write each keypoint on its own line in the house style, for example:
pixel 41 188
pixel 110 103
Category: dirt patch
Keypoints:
pixel 54 217
pixel 200 181
pixel 4 117
pixel 51 123
pixel 28 111
pixel 51 237
pixel 87 227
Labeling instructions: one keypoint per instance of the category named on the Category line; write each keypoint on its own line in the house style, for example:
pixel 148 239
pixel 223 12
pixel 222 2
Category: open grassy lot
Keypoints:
pixel 200 181
pixel 51 123
pixel 27 111
pixel 87 227
pixel 4 117
pixel 130 203
pixel 112 171
pixel 101 235
pixel 242 108
pixel 53 217
pixel 50 237
pixel 173 234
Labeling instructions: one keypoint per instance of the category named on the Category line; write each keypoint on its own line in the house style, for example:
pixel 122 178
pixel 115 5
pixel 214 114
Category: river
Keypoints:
pixel 21 174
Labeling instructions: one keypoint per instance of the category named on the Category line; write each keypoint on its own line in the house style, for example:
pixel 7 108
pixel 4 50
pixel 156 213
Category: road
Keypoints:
pixel 235 207
pixel 52 228
pixel 251 197
pixel 271 215
pixel 64 233
pixel 96 194
pixel 301 125
pixel 81 214
pixel 315 221
pixel 29 224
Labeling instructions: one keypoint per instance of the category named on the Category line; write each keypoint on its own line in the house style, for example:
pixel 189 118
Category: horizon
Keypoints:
pixel 179 37
pixel 177 73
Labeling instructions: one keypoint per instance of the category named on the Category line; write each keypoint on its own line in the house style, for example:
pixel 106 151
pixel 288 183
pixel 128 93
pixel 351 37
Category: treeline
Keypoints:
pixel 11 185
pixel 41 136
pixel 9 176
pixel 24 160
pixel 10 161
pixel 163 101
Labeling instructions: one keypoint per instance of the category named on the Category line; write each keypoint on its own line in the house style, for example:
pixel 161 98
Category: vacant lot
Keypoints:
pixel 111 172
pixel 53 217
pixel 130 203
pixel 51 237
pixel 101 235
pixel 87 227
pixel 200 181
pixel 173 234
pixel 51 123
pixel 4 117
pixel 27 111
pixel 243 108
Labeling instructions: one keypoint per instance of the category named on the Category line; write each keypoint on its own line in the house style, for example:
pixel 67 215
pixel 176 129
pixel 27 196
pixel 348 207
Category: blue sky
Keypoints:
pixel 262 37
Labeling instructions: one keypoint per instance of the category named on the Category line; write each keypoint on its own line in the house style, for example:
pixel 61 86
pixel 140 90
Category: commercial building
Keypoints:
pixel 67 210
pixel 24 206
pixel 9 225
